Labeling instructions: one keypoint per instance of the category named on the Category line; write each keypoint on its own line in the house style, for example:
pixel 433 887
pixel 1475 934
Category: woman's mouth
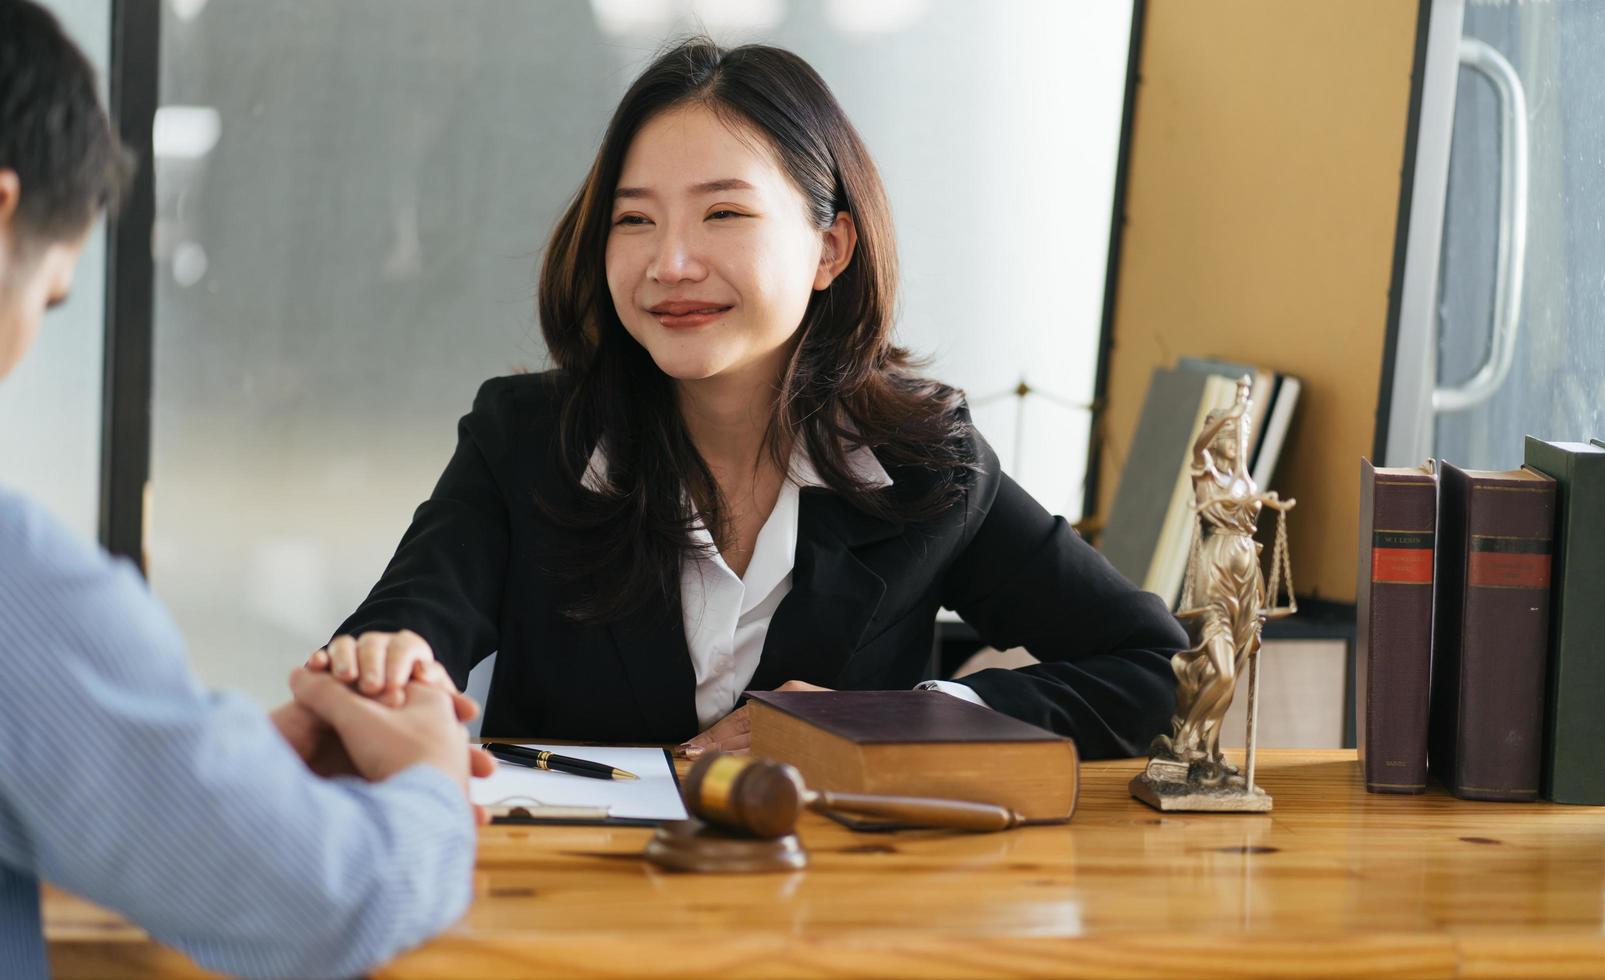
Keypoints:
pixel 685 315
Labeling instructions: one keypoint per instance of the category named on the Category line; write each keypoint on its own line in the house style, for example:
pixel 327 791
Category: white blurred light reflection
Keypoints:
pixel 185 132
pixel 723 17
pixel 623 17
pixel 188 10
pixel 189 264
pixel 862 18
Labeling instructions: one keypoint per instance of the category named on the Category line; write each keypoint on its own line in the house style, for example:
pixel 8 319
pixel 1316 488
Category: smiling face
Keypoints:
pixel 711 259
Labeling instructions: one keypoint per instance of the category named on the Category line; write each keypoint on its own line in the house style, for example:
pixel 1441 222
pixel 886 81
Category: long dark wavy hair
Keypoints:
pixel 843 383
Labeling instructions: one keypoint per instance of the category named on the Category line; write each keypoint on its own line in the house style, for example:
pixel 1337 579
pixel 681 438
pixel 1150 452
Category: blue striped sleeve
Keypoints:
pixel 124 781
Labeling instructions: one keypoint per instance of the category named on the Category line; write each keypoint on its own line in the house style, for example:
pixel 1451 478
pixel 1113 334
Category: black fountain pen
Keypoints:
pixel 541 759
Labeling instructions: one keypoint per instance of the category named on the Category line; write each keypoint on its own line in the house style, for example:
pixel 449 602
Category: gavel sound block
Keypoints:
pixel 745 811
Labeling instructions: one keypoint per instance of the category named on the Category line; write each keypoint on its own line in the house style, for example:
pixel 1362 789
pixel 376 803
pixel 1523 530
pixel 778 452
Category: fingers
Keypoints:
pixel 329 699
pixel 480 762
pixel 732 733
pixel 467 708
pixel 381 663
pixel 727 727
pixel 734 743
pixel 432 673
pixel 342 654
pixel 480 765
pixel 407 656
pixel 464 707
pixel 427 697
pixel 297 725
pixel 372 652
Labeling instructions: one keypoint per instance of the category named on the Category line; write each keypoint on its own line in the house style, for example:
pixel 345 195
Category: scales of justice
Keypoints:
pixel 1225 602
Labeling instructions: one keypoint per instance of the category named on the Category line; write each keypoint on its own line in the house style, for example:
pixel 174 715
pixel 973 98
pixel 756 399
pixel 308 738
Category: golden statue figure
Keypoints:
pixel 1225 597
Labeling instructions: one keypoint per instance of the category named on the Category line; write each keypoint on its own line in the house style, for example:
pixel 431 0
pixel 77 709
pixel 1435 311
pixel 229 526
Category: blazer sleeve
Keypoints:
pixel 446 579
pixel 1024 578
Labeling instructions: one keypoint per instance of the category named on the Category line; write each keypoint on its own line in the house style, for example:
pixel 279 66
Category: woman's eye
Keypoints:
pixel 725 213
pixel 630 219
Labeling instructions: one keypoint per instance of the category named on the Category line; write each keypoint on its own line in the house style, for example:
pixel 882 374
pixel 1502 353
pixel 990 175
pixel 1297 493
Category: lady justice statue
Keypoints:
pixel 1225 599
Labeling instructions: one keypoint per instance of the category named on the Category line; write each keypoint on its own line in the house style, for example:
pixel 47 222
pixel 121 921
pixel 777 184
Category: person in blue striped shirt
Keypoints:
pixel 319 840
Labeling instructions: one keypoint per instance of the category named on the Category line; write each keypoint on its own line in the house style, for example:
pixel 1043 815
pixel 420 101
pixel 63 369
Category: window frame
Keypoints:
pixel 133 85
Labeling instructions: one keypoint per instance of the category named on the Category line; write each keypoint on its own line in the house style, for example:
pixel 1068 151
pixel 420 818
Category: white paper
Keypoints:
pixel 654 796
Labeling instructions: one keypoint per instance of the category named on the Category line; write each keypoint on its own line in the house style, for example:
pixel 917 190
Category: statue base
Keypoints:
pixel 1171 784
pixel 1199 799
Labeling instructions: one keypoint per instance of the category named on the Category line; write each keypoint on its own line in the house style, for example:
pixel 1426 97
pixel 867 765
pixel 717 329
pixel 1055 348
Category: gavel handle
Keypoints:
pixel 956 814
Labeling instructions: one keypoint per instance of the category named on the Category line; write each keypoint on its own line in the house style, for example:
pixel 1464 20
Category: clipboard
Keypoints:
pixel 558 799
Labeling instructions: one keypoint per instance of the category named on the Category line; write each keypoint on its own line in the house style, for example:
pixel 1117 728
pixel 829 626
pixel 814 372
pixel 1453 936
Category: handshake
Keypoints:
pixel 377 705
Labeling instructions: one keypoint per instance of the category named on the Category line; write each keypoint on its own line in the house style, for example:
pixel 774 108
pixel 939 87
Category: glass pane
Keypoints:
pixel 50 405
pixel 352 199
pixel 1556 388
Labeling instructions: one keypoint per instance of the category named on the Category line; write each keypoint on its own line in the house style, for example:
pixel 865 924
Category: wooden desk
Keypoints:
pixel 1333 882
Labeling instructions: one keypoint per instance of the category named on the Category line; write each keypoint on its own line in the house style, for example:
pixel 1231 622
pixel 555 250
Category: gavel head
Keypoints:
pixel 758 797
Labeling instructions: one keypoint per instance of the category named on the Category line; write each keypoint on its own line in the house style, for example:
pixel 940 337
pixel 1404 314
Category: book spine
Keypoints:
pixel 1443 720
pixel 1574 725
pixel 1398 520
pixel 1503 633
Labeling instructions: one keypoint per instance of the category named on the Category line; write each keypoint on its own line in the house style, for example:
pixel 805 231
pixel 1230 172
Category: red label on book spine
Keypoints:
pixel 1508 570
pixel 1405 566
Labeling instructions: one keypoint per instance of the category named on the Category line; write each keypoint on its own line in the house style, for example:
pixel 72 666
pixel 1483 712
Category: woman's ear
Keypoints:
pixel 839 241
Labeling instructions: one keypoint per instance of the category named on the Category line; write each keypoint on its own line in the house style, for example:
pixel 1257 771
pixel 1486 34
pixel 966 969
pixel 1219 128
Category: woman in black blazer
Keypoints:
pixel 733 479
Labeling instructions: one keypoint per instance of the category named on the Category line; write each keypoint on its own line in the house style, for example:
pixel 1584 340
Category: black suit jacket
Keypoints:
pixel 860 615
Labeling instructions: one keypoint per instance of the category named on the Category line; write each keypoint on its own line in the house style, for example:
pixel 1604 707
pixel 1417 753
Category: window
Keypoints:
pixel 1504 332
pixel 352 199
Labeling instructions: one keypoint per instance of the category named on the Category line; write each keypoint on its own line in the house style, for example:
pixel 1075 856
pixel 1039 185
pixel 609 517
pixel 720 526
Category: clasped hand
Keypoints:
pixel 377 730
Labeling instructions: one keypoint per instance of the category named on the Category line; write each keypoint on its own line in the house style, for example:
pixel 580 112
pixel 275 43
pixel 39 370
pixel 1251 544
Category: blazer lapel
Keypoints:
pixel 833 594
pixel 651 645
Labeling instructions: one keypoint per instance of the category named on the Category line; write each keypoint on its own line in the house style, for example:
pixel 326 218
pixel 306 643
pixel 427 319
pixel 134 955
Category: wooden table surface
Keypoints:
pixel 1333 882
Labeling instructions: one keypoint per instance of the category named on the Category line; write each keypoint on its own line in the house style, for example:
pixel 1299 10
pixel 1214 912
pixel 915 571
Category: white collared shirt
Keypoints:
pixel 727 615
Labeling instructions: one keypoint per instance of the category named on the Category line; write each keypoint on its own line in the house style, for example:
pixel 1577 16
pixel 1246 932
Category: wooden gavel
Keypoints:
pixel 764 798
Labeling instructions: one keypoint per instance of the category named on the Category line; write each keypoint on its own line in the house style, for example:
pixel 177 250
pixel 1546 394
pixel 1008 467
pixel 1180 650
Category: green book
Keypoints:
pixel 1574 725
pixel 1161 445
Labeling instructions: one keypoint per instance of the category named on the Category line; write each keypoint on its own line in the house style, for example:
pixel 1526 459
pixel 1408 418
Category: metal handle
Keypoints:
pixel 1512 255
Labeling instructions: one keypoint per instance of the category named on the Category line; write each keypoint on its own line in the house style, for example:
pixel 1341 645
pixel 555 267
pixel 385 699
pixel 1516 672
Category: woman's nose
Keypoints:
pixel 676 259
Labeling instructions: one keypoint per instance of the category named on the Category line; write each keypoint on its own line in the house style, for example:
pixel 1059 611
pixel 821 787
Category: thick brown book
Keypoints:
pixel 1491 631
pixel 1393 630
pixel 917 743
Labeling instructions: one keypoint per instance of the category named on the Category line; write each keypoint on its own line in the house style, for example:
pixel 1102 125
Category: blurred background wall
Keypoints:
pixel 351 203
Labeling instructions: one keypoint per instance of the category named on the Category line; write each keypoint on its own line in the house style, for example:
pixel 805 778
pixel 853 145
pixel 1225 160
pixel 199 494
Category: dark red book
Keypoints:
pixel 1393 634
pixel 1491 631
